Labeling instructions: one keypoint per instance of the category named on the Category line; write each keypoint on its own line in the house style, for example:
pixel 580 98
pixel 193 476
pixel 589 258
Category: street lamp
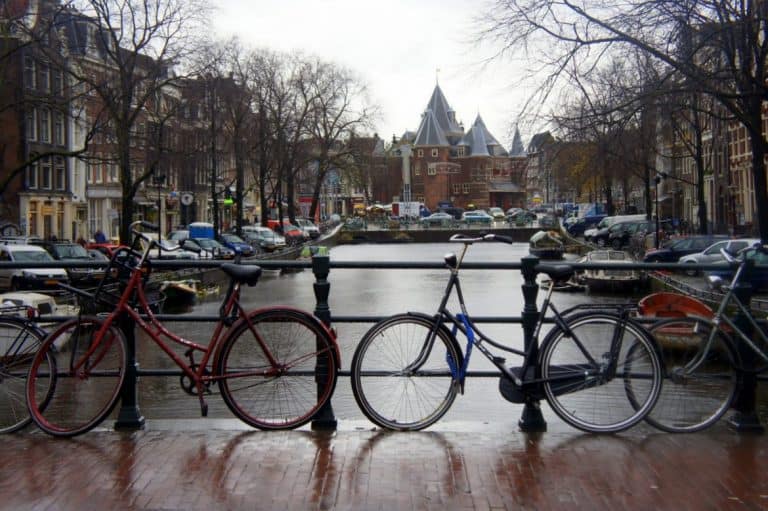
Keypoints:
pixel 657 180
pixel 159 181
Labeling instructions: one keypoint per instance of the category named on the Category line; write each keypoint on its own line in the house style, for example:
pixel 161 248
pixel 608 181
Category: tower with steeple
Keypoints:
pixel 463 169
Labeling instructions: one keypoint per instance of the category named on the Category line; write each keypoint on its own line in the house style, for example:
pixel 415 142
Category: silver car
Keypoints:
pixel 712 255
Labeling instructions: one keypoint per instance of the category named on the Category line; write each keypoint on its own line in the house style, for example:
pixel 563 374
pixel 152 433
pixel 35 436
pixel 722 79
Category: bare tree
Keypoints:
pixel 127 67
pixel 720 47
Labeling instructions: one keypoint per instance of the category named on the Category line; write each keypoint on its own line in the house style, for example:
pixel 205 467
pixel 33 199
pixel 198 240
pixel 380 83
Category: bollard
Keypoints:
pixel 745 417
pixel 129 416
pixel 532 419
pixel 324 419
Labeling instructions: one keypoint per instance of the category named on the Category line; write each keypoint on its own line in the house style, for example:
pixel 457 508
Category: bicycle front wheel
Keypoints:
pixel 399 380
pixel 277 369
pixel 19 341
pixel 591 389
pixel 89 374
pixel 693 396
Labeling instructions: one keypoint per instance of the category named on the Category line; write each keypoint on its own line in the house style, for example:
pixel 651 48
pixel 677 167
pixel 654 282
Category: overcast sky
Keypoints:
pixel 395 47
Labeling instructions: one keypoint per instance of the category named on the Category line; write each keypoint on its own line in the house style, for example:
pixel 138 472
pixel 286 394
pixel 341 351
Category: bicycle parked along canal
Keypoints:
pixel 408 369
pixel 701 359
pixel 275 367
pixel 20 338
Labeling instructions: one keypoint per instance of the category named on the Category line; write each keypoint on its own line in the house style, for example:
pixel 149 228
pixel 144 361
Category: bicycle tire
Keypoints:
pixel 599 403
pixel 388 395
pixel 82 397
pixel 693 402
pixel 19 341
pixel 280 399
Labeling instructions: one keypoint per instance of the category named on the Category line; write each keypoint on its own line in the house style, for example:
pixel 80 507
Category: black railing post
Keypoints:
pixel 129 416
pixel 532 419
pixel 745 417
pixel 321 267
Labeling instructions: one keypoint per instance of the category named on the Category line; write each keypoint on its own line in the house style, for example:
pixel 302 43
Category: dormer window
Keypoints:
pixel 460 151
pixel 434 152
pixel 420 153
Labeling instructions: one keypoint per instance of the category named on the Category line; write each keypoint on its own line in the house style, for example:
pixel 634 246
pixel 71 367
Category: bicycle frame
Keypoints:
pixel 462 322
pixel 230 311
pixel 721 317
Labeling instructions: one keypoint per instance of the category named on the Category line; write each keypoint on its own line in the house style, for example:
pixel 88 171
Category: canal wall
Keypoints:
pixel 519 234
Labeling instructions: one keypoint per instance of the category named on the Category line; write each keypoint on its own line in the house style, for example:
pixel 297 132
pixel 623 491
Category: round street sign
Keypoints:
pixel 187 198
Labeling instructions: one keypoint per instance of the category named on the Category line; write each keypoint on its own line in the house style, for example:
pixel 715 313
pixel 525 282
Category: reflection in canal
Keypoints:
pixel 374 292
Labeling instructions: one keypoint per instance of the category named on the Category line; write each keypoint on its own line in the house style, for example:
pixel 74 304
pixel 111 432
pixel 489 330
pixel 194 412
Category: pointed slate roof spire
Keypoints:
pixel 430 132
pixel 481 142
pixel 445 115
pixel 518 149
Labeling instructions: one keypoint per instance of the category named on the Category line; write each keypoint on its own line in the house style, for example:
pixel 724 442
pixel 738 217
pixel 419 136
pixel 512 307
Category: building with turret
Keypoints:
pixel 442 164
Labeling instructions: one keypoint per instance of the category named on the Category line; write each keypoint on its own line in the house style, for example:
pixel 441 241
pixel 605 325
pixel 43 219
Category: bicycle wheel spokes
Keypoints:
pixel 282 387
pixel 18 344
pixel 592 397
pixel 692 398
pixel 396 383
pixel 88 377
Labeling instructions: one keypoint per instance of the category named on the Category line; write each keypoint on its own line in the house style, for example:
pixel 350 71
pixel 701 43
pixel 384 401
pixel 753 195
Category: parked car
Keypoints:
pixel 237 244
pixel 602 237
pixel 209 248
pixel 619 238
pixel 108 249
pixel 477 217
pixel 758 279
pixel 521 216
pixel 29 278
pixel 310 230
pixel 169 250
pixel 547 221
pixel 497 213
pixel 293 235
pixel 69 252
pixel 263 237
pixel 437 219
pixel 712 254
pixel 609 221
pixel 178 235
pixel 580 225
pixel 674 249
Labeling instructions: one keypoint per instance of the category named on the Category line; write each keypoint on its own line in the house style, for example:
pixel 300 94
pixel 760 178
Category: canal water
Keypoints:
pixel 375 292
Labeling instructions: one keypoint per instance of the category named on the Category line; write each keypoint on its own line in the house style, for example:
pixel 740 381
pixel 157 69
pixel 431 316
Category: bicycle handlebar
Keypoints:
pixel 757 247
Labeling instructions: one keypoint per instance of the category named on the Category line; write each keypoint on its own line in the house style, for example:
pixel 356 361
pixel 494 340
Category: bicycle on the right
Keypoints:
pixel 701 360
pixel 599 371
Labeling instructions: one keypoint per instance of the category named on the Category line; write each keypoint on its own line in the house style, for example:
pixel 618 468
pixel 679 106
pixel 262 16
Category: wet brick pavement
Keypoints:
pixel 181 465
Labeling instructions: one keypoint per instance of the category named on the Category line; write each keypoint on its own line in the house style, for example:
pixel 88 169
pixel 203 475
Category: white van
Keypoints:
pixel 609 221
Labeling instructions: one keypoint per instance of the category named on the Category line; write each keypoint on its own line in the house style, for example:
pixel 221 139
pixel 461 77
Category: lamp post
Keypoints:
pixel 159 180
pixel 657 180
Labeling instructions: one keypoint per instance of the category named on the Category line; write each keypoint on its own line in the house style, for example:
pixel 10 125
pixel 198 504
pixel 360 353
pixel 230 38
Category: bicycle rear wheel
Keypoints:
pixel 578 383
pixel 86 382
pixel 692 400
pixel 397 382
pixel 19 341
pixel 278 374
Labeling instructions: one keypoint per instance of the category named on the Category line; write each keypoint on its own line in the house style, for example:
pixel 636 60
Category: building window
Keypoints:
pixel 460 151
pixel 32 176
pixel 431 170
pixel 465 188
pixel 32 227
pixel 420 153
pixel 417 169
pixel 45 78
pixel 60 173
pixel 45 173
pixel 45 125
pixel 29 73
pixel 31 125
pixel 434 152
pixel 456 189
pixel 419 197
pixel 58 82
pixel 58 129
pixel 113 173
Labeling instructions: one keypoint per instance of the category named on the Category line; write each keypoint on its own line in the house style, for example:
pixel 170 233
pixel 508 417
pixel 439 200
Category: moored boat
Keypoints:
pixel 180 292
pixel 547 245
pixel 605 279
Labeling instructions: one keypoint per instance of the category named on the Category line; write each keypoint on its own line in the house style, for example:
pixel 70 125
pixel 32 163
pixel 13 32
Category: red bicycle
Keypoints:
pixel 275 367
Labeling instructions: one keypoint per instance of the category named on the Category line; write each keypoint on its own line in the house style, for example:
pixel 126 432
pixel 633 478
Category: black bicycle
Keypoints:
pixel 599 370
